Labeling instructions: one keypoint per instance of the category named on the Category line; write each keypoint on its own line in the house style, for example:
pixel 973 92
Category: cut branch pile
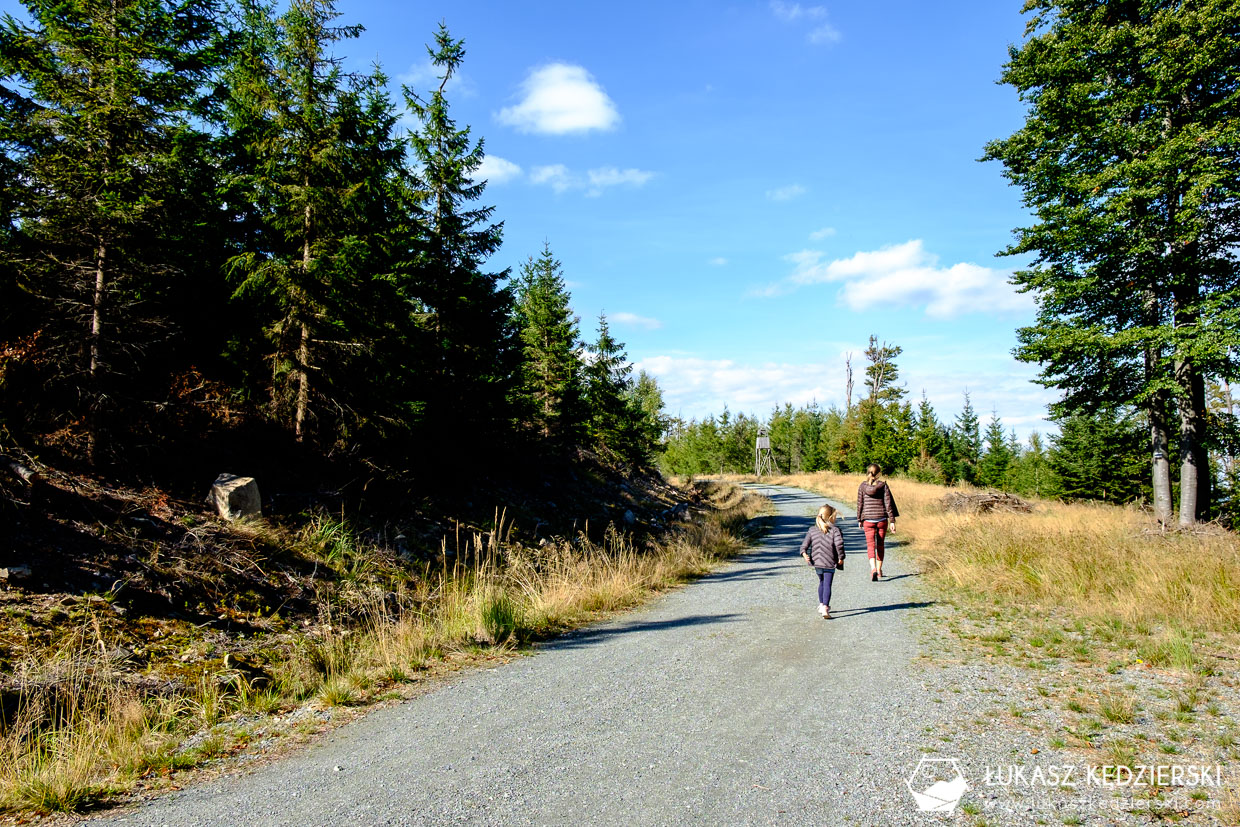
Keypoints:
pixel 984 503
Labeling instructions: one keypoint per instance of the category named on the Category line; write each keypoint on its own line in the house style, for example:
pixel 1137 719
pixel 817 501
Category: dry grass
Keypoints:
pixel 1102 563
pixel 83 733
pixel 1083 599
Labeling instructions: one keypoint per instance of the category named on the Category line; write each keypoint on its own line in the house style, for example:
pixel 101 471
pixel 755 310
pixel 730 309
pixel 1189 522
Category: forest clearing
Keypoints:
pixel 319 503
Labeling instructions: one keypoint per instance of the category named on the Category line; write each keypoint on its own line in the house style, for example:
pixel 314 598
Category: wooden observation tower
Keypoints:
pixel 763 462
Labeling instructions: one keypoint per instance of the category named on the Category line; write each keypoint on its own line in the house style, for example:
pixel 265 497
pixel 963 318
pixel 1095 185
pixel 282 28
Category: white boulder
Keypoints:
pixel 235 497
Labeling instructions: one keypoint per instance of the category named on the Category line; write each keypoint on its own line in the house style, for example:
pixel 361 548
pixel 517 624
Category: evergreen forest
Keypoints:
pixel 221 250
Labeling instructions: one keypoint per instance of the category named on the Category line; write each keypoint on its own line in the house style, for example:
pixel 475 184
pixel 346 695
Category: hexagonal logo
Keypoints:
pixel 937 784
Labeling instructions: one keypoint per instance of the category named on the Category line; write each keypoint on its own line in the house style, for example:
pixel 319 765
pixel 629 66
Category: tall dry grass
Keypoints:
pixel 82 733
pixel 1100 562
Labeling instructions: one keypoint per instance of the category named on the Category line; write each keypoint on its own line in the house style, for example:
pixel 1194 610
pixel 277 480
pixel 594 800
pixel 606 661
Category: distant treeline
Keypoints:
pixel 208 226
pixel 1096 456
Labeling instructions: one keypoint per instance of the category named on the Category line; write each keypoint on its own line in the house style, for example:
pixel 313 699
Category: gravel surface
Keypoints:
pixel 727 702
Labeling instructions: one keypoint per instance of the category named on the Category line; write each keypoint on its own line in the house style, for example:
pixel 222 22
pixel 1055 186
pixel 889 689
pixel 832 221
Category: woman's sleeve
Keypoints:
pixel 860 502
pixel 892 511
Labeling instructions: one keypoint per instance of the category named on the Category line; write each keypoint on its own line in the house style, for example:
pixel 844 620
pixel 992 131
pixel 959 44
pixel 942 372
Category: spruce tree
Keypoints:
pixel 993 466
pixel 883 425
pixel 318 159
pixel 1031 472
pixel 967 441
pixel 551 385
pixel 615 417
pixel 929 445
pixel 100 105
pixel 466 310
pixel 1099 456
pixel 646 399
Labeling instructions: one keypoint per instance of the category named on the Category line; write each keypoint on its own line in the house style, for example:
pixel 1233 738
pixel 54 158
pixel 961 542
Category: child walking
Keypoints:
pixel 823 548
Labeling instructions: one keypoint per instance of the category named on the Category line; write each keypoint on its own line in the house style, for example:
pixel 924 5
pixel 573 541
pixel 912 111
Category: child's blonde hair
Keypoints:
pixel 826 518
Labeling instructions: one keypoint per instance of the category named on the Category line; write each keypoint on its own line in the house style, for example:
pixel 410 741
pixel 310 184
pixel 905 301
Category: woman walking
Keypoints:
pixel 877 512
pixel 823 548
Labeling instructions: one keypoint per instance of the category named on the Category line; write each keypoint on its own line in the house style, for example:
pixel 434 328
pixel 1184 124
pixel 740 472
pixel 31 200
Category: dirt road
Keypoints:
pixel 727 702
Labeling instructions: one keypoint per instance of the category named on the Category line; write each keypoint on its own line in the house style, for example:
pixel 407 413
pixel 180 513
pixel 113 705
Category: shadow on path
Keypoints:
pixel 594 634
pixel 887 607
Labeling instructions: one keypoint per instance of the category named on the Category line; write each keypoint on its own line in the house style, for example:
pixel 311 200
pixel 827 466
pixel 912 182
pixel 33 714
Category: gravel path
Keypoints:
pixel 727 702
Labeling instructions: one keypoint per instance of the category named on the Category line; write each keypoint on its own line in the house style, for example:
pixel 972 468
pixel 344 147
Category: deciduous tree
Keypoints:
pixel 1127 158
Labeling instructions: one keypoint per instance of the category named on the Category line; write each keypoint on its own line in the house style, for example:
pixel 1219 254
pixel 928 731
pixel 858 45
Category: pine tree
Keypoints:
pixel 100 104
pixel 551 369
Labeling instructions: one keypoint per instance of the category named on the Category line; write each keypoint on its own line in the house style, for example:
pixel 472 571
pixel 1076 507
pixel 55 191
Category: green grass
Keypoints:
pixel 1117 708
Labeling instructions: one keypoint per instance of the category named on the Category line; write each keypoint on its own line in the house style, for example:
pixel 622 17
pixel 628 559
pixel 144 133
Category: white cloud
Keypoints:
pixel 719 261
pixel 634 320
pixel 826 33
pixel 561 179
pixel 905 274
pixel 497 170
pixel 561 99
pixel 816 16
pixel 556 176
pixel 792 12
pixel 785 193
pixel 694 387
pixel 819 235
pixel 612 177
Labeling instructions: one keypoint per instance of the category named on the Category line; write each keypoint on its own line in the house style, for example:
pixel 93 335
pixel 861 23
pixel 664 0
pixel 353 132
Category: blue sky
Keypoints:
pixel 750 189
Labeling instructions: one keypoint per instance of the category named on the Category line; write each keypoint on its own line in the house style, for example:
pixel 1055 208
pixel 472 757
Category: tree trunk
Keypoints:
pixel 1161 477
pixel 303 345
pixel 1157 412
pixel 1161 462
pixel 303 383
pixel 96 310
pixel 1201 453
pixel 1190 444
pixel 848 384
pixel 95 368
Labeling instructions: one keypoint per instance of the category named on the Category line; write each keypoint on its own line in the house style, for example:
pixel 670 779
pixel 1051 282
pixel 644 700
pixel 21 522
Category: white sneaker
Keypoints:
pixel 822 609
